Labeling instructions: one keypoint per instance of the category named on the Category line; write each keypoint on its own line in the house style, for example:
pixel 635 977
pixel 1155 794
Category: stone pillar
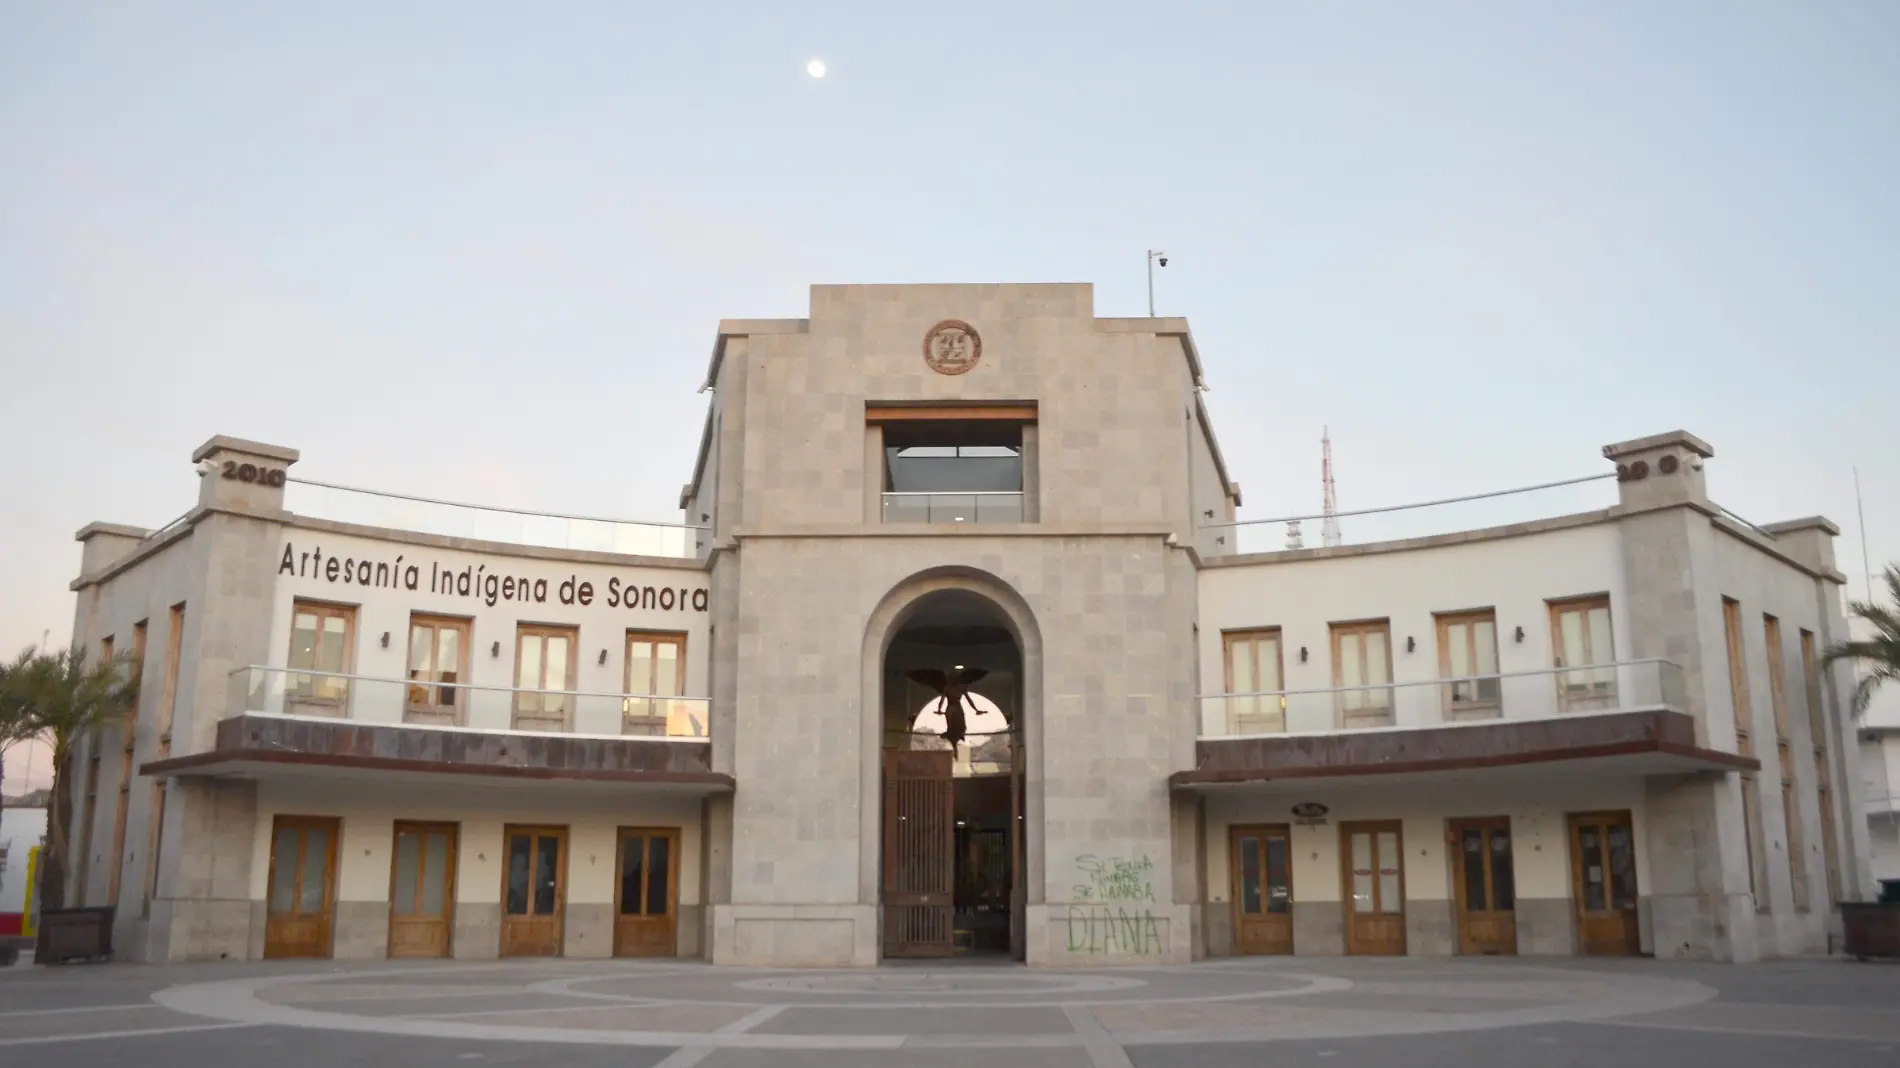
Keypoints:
pixel 203 909
pixel 1697 858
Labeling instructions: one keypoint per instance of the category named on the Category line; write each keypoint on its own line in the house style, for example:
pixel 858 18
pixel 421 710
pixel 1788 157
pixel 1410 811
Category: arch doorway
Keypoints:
pixel 951 864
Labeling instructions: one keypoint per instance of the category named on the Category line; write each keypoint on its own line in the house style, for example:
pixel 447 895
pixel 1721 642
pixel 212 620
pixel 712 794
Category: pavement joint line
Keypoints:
pixel 142 1032
pixel 750 1020
pixel 1779 1032
pixel 1103 1050
pixel 76 1009
pixel 590 1007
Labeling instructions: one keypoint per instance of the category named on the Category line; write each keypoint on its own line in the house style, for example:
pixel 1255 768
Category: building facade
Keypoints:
pixel 954 654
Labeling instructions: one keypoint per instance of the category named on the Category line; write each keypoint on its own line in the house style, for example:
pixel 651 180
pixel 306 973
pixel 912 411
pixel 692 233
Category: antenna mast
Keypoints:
pixel 1329 522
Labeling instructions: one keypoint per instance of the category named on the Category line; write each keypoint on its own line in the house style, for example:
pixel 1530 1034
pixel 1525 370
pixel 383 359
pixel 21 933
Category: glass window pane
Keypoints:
pixel 547 870
pixel 1362 872
pixel 421 649
pixel 666 670
pixel 557 663
pixel 1590 850
pixel 1279 876
pixel 1377 662
pixel 1250 904
pixel 1352 660
pixel 1622 868
pixel 435 875
pixel 1391 899
pixel 448 653
pixel 1601 649
pixel 1458 649
pixel 1503 878
pixel 283 889
pixel 658 863
pixel 316 846
pixel 1570 626
pixel 1484 647
pixel 528 664
pixel 640 666
pixel 1242 654
pixel 1471 856
pixel 632 864
pixel 408 859
pixel 518 847
pixel 303 640
pixel 1267 655
pixel 330 646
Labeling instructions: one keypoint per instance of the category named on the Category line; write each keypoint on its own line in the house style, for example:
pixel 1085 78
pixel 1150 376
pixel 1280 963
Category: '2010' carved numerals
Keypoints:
pixel 252 473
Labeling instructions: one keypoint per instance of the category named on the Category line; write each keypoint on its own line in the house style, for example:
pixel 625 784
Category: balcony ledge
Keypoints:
pixel 1644 742
pixel 259 746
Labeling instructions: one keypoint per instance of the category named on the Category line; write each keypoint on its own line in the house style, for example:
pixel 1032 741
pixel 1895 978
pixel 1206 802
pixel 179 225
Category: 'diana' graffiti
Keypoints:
pixel 1110 914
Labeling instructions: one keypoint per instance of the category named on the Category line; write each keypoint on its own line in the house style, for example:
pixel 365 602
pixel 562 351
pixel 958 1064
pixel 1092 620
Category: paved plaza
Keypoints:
pixel 1416 1013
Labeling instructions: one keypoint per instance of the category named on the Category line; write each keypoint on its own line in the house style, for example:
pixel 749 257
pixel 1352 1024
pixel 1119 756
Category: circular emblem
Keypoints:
pixel 1310 810
pixel 952 347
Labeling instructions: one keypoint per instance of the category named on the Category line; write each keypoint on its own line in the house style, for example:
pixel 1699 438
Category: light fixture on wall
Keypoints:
pixel 1520 635
pixel 385 639
pixel 1411 643
pixel 1302 654
pixel 495 649
pixel 603 656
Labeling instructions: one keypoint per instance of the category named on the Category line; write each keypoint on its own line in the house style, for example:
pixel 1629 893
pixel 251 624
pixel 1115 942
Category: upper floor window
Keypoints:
pixel 1580 633
pixel 1254 668
pixel 545 659
pixel 1468 654
pixel 656 670
pixel 948 465
pixel 1362 673
pixel 438 659
pixel 322 639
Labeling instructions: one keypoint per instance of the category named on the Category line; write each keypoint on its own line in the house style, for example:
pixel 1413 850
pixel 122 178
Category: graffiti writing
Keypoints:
pixel 1114 879
pixel 1098 923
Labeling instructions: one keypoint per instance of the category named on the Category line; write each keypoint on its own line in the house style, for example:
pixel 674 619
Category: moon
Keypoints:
pixel 816 68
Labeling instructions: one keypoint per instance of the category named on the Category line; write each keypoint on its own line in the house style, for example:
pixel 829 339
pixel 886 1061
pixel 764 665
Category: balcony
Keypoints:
pixel 983 507
pixel 279 721
pixel 1629 713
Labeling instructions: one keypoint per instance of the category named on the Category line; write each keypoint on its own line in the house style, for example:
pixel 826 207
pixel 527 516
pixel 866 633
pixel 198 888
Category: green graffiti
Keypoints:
pixel 1097 924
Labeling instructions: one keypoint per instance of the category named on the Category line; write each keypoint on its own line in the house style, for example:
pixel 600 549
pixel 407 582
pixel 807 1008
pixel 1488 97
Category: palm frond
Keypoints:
pixel 1877 657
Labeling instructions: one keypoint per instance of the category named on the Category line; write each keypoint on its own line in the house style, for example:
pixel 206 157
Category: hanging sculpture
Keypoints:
pixel 953 688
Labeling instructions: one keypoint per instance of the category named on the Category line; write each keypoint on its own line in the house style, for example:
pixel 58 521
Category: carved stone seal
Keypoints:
pixel 952 347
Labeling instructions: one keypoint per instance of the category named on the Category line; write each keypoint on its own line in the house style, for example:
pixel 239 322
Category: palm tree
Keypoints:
pixel 1878 657
pixel 69 700
pixel 16 710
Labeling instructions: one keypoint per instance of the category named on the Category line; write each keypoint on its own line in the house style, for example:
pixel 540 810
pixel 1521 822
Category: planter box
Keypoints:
pixel 1870 929
pixel 67 935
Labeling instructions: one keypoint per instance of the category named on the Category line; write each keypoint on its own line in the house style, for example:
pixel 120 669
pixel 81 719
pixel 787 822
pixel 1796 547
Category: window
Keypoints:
pixel 438 660
pixel 656 670
pixel 544 661
pixel 90 809
pixel 1254 667
pixel 322 639
pixel 1468 651
pixel 1362 672
pixel 1790 811
pixel 953 464
pixel 1744 745
pixel 1823 781
pixel 130 737
pixel 1580 631
pixel 162 748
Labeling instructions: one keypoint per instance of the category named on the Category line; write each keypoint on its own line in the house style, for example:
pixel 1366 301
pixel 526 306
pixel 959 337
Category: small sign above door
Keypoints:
pixel 1310 813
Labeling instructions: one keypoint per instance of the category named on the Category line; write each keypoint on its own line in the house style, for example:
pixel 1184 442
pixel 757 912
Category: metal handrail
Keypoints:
pixel 466 685
pixel 953 493
pixel 1440 682
pixel 495 507
pixel 1407 507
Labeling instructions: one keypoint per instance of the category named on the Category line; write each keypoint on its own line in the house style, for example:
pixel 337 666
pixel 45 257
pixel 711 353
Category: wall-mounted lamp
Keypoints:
pixel 385 639
pixel 1302 654
pixel 495 649
pixel 603 656
pixel 1520 635
pixel 1411 643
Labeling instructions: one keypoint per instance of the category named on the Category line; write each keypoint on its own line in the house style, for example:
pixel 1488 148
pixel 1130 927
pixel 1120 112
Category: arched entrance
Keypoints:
pixel 951 859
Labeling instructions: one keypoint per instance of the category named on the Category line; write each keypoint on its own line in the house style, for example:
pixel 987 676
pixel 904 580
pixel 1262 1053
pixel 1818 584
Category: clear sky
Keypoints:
pixel 479 250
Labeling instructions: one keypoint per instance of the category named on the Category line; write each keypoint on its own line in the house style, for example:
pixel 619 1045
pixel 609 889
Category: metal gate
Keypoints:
pixel 919 853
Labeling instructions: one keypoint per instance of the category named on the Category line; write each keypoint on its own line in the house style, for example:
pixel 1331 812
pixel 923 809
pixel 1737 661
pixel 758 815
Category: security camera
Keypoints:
pixel 1162 260
pixel 205 467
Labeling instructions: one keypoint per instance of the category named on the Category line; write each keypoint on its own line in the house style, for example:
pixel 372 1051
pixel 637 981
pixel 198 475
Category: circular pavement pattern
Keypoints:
pixel 700 1007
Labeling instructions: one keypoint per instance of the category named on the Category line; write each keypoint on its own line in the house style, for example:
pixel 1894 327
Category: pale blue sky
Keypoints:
pixel 479 250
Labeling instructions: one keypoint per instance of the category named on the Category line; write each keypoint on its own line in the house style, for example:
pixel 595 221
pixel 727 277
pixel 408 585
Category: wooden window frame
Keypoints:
pixel 1823 774
pixel 432 689
pixel 1595 697
pixel 1250 638
pixel 647 707
pixel 161 749
pixel 1361 627
pixel 1456 710
pixel 544 631
pixel 130 732
pixel 322 610
pixel 672 835
pixel 1738 676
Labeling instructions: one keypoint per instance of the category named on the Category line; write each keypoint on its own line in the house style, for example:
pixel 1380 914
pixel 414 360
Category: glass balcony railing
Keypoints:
pixel 454 706
pixel 511 526
pixel 985 507
pixel 1546 694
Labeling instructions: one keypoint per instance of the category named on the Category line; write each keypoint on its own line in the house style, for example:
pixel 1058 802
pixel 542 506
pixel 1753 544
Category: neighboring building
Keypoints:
pixel 22 830
pixel 1604 732
pixel 1880 769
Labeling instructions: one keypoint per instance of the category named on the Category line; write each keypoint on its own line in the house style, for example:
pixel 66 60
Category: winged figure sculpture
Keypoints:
pixel 954 687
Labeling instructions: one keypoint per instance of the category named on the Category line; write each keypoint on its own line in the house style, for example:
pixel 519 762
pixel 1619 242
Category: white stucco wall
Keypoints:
pixel 1515 576
pixel 680 603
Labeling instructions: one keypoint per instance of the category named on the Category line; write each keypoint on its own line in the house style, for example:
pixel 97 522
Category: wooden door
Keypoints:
pixel 545 663
pixel 919 853
pixel 1260 861
pixel 438 660
pixel 533 891
pixel 646 912
pixel 1373 856
pixel 1484 886
pixel 1603 880
pixel 300 916
pixel 422 890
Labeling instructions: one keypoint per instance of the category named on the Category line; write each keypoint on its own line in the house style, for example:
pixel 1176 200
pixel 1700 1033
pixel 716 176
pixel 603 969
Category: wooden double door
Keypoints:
pixel 533 890
pixel 1372 854
pixel 300 912
pixel 1260 863
pixel 919 853
pixel 1484 886
pixel 646 905
pixel 1603 882
pixel 422 889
